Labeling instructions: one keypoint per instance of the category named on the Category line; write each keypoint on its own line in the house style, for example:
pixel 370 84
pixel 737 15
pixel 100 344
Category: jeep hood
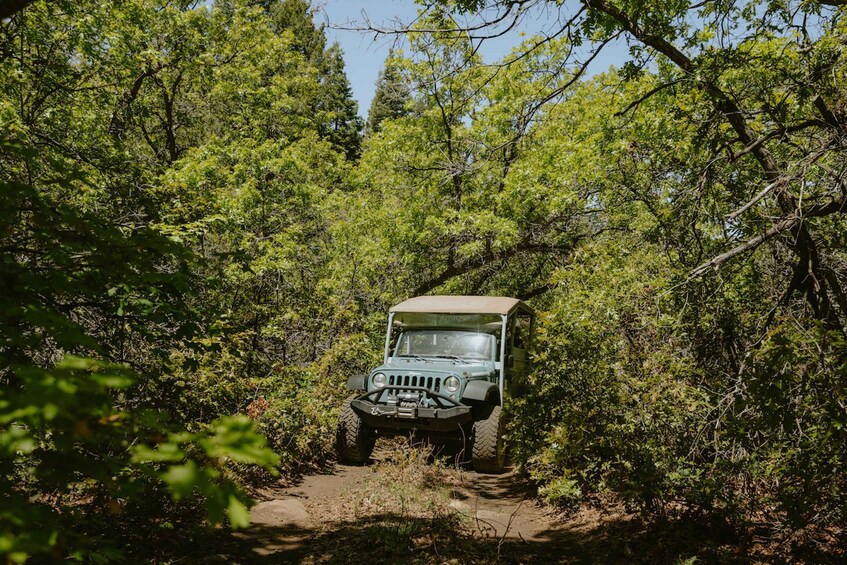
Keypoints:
pixel 467 369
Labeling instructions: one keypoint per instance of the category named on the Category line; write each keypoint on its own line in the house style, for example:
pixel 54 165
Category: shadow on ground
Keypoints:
pixel 332 518
pixel 496 487
pixel 393 538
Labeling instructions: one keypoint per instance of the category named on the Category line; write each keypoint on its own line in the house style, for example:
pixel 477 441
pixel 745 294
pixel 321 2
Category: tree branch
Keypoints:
pixel 802 244
pixel 639 100
pixel 778 183
pixel 835 206
pixel 456 269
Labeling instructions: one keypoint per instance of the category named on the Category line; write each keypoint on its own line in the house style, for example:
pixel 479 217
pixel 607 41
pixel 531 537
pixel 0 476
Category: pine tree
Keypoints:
pixel 344 126
pixel 391 100
pixel 335 110
pixel 298 16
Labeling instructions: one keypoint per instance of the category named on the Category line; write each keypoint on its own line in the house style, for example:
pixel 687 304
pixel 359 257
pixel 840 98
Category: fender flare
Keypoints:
pixel 482 391
pixel 357 382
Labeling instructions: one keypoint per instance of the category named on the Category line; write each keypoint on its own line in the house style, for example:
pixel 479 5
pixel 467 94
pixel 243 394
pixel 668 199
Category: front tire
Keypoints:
pixel 489 447
pixel 354 440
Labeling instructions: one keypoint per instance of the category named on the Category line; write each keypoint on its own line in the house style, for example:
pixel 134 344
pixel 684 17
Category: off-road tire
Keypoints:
pixel 489 449
pixel 354 440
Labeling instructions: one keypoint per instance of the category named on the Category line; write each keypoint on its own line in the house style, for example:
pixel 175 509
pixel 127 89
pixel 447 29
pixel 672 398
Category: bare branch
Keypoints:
pixel 832 207
pixel 778 183
pixel 776 133
pixel 638 101
pixel 749 245
pixel 410 28
pixel 764 192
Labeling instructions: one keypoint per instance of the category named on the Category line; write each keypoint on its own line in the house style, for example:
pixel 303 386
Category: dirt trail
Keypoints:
pixel 405 507
pixel 416 512
pixel 492 503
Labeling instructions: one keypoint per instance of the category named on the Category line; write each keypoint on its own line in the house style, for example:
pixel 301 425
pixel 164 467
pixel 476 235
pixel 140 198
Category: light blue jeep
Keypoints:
pixel 449 361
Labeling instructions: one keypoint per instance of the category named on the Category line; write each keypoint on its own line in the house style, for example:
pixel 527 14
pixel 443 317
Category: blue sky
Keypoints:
pixel 364 55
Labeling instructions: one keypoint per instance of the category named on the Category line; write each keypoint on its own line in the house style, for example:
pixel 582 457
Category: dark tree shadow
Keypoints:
pixel 394 538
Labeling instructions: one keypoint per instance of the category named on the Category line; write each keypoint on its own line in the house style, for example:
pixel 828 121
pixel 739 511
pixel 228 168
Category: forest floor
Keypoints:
pixel 407 507
pixel 365 512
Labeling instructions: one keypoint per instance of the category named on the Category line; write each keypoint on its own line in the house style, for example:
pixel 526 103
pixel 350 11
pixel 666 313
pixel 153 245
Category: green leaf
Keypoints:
pixel 181 479
pixel 239 514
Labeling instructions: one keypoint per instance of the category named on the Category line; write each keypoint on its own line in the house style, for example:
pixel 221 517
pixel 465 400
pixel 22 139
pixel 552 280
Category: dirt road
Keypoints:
pixel 405 508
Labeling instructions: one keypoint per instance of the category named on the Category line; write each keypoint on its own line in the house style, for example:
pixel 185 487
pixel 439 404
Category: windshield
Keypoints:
pixel 446 343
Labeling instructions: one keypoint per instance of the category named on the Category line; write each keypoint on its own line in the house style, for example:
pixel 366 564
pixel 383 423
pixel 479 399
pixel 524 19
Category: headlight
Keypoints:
pixel 451 384
pixel 379 380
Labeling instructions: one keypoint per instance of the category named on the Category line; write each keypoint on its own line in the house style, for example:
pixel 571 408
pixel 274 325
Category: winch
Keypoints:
pixel 406 403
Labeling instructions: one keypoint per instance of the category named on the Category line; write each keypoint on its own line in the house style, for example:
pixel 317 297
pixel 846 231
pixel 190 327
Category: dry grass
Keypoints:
pixel 400 511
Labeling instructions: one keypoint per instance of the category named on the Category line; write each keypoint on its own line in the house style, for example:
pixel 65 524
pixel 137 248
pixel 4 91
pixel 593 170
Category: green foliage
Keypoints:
pixel 297 16
pixel 64 438
pixel 192 229
pixel 332 106
pixel 561 492
pixel 457 218
pixel 228 438
pixel 797 391
pixel 297 409
pixel 134 213
pixel 654 383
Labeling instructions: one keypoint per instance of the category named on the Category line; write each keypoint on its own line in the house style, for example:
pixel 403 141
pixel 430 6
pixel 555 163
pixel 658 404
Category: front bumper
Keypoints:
pixel 446 415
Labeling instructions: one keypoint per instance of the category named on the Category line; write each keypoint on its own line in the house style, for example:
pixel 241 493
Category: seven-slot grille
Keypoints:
pixel 432 383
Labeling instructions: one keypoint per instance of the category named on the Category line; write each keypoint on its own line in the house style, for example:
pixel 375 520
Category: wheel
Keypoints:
pixel 354 440
pixel 489 448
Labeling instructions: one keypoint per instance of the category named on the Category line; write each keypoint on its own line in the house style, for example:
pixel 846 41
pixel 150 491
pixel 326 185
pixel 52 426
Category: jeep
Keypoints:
pixel 448 363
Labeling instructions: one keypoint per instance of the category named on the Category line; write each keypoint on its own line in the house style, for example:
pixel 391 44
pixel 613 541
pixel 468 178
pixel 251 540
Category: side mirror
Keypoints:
pixel 510 361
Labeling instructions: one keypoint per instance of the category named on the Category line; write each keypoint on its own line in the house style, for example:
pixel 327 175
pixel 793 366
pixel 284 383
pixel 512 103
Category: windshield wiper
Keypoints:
pixel 413 356
pixel 450 357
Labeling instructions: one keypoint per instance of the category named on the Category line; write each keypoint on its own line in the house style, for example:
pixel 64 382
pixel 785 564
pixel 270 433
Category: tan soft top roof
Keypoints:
pixel 461 305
